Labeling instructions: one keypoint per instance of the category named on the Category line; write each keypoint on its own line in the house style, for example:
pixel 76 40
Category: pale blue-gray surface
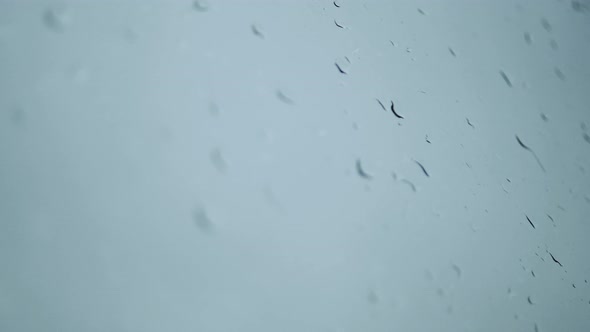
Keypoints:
pixel 182 166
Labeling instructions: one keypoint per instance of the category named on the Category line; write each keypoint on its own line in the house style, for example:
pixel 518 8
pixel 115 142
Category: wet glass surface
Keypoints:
pixel 294 165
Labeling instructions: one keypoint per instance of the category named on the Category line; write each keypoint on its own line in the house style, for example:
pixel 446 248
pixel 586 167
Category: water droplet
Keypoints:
pixel 256 31
pixel 202 220
pixel 505 78
pixel 546 25
pixel 579 7
pixel 342 67
pixel 56 19
pixel 213 109
pixel 559 74
pixel 361 172
pixel 544 117
pixel 201 5
pixel 282 97
pixel 18 116
pixel 409 183
pixel 457 270
pixel 130 35
pixel 372 297
pixel 527 38
pixel 217 160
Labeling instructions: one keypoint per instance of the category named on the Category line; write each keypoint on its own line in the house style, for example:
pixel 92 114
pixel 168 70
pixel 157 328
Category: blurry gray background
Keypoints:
pixel 205 166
